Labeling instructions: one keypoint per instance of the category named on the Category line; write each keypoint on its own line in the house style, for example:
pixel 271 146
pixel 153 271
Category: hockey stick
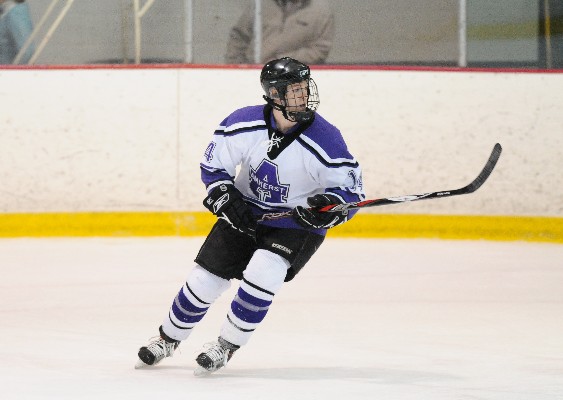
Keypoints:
pixel 473 186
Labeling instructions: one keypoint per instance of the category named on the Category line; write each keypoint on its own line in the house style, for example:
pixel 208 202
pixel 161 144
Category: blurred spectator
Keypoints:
pixel 301 29
pixel 15 29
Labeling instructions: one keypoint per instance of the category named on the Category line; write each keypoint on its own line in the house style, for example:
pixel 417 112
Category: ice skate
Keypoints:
pixel 158 349
pixel 215 355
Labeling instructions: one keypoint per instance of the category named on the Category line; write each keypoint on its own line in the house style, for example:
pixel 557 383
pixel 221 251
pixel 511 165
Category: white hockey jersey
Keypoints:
pixel 276 172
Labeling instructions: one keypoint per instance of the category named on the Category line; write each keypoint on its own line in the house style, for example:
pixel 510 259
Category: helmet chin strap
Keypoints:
pixel 278 107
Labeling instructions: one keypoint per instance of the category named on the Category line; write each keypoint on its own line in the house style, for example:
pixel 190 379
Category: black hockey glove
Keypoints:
pixel 226 202
pixel 320 220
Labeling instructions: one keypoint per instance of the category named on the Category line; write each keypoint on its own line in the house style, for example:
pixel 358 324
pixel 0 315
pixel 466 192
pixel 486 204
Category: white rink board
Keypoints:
pixel 131 140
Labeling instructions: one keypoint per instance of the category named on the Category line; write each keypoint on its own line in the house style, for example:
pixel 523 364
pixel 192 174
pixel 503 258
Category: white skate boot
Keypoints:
pixel 215 355
pixel 158 349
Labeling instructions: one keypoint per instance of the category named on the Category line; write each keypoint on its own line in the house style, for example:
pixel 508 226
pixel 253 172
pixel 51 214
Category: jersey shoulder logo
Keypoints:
pixel 209 151
pixel 265 183
pixel 357 182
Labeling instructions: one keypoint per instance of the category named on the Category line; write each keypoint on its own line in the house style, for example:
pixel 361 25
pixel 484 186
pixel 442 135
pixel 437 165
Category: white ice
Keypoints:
pixel 377 319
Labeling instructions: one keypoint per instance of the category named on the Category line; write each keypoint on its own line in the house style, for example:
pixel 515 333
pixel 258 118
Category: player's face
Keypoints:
pixel 297 96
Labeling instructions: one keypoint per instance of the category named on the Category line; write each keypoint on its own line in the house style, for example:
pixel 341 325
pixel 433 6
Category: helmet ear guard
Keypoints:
pixel 277 75
pixel 274 93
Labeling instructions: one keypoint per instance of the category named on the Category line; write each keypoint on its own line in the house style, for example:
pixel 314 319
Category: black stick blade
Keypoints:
pixel 486 172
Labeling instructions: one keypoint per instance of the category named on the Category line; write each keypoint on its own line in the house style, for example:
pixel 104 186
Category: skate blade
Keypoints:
pixel 140 364
pixel 200 371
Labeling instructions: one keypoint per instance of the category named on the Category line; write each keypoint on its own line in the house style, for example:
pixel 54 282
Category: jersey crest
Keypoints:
pixel 265 183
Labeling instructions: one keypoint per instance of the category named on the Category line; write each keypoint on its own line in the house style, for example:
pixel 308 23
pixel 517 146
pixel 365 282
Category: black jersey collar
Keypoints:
pixel 278 140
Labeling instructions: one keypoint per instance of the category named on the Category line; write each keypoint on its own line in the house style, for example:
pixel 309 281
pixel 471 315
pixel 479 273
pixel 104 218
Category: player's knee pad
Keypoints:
pixel 266 270
pixel 205 285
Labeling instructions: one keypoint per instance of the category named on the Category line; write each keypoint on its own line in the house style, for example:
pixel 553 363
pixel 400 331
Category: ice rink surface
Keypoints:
pixel 377 319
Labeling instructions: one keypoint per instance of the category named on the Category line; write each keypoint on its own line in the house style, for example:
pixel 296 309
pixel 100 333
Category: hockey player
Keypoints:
pixel 290 158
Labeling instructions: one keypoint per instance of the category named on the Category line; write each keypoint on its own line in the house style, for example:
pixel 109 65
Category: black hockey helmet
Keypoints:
pixel 279 74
